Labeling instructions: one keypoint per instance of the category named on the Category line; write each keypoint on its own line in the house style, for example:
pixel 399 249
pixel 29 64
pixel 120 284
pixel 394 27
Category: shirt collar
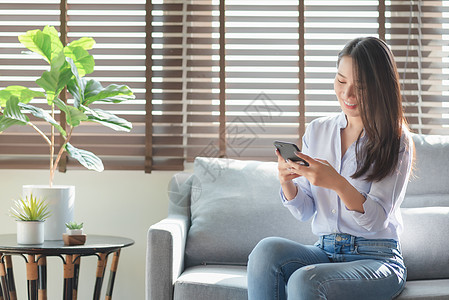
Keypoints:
pixel 341 120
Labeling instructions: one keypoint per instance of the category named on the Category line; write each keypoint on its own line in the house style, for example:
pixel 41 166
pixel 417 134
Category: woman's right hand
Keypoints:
pixel 286 177
pixel 285 174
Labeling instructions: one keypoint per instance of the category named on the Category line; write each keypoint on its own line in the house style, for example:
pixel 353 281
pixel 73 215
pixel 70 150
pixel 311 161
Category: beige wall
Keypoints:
pixel 123 203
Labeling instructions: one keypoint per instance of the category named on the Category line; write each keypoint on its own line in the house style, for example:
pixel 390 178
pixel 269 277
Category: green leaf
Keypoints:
pixel 108 119
pixel 13 111
pixel 76 85
pixel 86 158
pixel 30 209
pixel 73 115
pixel 24 94
pixel 86 43
pixel 112 93
pixel 45 43
pixel 5 123
pixel 54 81
pixel 83 60
pixel 42 114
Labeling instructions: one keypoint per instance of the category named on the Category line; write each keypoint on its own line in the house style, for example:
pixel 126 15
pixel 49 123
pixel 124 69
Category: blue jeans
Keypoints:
pixel 338 266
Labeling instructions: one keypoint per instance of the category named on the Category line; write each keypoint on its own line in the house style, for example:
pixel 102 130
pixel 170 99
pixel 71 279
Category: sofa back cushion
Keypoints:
pixel 236 205
pixel 431 172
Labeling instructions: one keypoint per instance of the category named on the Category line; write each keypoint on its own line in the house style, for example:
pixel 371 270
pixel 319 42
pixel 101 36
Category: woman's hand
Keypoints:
pixel 284 168
pixel 285 177
pixel 319 172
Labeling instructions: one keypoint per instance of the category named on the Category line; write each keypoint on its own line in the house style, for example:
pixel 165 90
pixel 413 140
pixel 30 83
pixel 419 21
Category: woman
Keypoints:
pixel 353 189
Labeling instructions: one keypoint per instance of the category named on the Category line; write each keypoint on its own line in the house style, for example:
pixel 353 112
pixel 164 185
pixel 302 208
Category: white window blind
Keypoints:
pixel 223 78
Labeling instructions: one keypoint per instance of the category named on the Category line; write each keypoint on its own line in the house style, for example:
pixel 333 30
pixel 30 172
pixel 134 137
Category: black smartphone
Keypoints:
pixel 287 151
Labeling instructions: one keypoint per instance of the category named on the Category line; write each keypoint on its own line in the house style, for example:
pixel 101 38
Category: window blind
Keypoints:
pixel 119 31
pixel 222 78
pixel 262 76
pixel 185 80
pixel 20 146
pixel 118 28
pixel 418 33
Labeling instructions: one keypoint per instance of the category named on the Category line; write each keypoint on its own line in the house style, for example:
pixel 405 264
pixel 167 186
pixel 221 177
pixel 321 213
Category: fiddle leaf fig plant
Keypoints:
pixel 67 67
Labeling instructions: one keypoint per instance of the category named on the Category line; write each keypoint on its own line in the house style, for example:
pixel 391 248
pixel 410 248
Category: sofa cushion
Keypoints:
pixel 424 242
pixel 431 171
pixel 212 282
pixel 229 282
pixel 237 206
pixel 425 290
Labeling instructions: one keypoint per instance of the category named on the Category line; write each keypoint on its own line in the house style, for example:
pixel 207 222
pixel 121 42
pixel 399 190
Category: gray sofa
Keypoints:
pixel 219 212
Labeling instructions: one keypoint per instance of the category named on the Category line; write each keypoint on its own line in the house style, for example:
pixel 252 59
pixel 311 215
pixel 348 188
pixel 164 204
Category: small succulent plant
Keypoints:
pixel 30 209
pixel 73 225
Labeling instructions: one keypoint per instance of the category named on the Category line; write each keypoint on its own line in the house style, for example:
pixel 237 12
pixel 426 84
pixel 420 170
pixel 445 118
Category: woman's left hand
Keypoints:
pixel 319 172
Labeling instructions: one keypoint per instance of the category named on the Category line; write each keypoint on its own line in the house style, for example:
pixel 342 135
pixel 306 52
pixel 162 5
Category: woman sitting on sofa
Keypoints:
pixel 359 163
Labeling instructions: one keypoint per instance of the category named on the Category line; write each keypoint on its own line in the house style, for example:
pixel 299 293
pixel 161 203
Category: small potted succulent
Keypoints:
pixel 30 214
pixel 74 234
pixel 74 228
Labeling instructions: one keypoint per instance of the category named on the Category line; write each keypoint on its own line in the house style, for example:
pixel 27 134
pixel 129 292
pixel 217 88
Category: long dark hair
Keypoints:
pixel 379 100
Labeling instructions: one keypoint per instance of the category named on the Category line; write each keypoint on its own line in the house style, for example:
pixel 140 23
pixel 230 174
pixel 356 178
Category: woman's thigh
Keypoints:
pixel 272 262
pixel 361 279
pixel 280 254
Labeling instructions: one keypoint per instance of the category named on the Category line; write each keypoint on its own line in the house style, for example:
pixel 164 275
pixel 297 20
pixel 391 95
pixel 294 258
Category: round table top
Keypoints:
pixel 94 244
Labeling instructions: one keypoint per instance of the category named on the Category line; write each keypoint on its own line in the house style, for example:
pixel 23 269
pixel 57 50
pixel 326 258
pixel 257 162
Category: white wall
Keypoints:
pixel 123 203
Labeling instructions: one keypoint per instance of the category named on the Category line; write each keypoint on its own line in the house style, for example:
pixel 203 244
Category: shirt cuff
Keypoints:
pixel 298 200
pixel 366 219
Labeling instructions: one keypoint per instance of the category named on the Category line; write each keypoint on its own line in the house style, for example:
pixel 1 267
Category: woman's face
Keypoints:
pixel 344 87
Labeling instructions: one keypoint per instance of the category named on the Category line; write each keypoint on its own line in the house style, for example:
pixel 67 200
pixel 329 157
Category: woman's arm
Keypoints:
pixel 371 209
pixel 321 173
pixel 285 178
pixel 295 195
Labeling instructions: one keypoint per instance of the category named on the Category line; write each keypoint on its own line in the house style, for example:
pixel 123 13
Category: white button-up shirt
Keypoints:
pixel 382 217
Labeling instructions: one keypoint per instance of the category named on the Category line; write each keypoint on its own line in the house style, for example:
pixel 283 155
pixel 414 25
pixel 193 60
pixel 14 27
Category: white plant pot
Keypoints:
pixel 61 203
pixel 74 231
pixel 30 232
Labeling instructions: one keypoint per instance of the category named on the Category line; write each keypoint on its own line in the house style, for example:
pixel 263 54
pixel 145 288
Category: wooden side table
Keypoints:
pixel 36 264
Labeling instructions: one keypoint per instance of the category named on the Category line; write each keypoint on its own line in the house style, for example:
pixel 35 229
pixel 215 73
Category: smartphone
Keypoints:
pixel 287 151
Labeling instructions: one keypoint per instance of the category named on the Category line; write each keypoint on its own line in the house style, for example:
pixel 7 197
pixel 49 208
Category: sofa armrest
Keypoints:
pixel 165 256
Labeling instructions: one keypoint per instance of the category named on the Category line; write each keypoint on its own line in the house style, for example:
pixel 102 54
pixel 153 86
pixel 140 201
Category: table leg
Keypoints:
pixel 42 274
pixel 76 272
pixel 32 277
pixel 114 266
pixel 3 280
pixel 69 273
pixel 101 265
pixel 10 278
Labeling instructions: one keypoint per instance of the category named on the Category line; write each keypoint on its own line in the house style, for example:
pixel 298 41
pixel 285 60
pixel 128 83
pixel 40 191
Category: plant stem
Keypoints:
pixel 52 147
pixel 40 133
pixel 61 151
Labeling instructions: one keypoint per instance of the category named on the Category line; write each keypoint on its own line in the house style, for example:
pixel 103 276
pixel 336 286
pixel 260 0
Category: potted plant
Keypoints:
pixel 74 228
pixel 30 214
pixel 74 234
pixel 67 67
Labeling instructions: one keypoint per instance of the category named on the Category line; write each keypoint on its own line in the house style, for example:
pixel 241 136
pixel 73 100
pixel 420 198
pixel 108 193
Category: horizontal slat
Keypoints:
pixel 262 69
